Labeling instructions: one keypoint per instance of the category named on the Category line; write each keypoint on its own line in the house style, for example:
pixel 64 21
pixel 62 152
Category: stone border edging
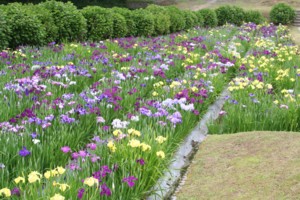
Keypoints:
pixel 167 184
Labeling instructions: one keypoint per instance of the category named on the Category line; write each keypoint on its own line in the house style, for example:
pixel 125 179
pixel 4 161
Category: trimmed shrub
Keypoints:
pixel 119 25
pixel 238 15
pixel 25 27
pixel 47 20
pixel 200 18
pixel 162 19
pixel 128 15
pixel 210 17
pixel 177 19
pixel 70 22
pixel 254 16
pixel 144 22
pixel 191 20
pixel 4 31
pixel 100 23
pixel 282 13
pixel 230 14
pixel 224 15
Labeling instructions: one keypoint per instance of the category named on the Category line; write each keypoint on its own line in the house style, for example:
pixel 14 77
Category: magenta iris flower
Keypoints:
pixel 16 191
pixel 24 152
pixel 80 193
pixel 65 149
pixel 92 146
pixel 140 161
pixel 105 190
pixel 129 180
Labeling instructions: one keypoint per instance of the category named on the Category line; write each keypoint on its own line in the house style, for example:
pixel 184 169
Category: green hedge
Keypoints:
pixel 25 26
pixel 77 3
pixel 162 21
pixel 230 14
pixel 99 23
pixel 119 26
pixel 70 22
pixel 56 21
pixel 47 20
pixel 129 17
pixel 210 17
pixel 282 13
pixel 254 16
pixel 177 19
pixel 145 23
pixel 200 19
pixel 4 31
pixel 191 19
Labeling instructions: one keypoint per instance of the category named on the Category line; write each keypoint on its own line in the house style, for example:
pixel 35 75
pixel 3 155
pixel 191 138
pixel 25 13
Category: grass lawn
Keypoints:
pixel 253 165
pixel 262 5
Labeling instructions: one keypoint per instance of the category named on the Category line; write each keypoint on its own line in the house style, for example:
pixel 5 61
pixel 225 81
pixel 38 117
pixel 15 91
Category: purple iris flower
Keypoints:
pixel 80 193
pixel 16 191
pixel 129 180
pixel 24 152
pixel 140 161
pixel 105 190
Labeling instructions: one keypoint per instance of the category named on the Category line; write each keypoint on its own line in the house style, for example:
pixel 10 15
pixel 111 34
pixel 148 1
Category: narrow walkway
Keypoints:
pixel 195 5
pixel 206 5
pixel 295 31
pixel 253 165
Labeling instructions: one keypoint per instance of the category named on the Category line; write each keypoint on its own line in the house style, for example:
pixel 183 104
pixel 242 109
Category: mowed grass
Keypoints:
pixel 253 165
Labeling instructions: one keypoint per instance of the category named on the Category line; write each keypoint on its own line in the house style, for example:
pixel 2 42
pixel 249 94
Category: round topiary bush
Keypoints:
pixel 210 17
pixel 47 20
pixel 191 20
pixel 162 19
pixel 70 22
pixel 145 23
pixel 224 15
pixel 282 13
pixel 238 15
pixel 119 25
pixel 4 31
pixel 100 23
pixel 128 15
pixel 177 19
pixel 25 27
pixel 254 16
pixel 200 19
pixel 230 14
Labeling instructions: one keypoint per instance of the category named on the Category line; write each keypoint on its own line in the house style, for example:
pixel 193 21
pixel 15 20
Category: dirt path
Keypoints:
pixel 206 5
pixel 295 32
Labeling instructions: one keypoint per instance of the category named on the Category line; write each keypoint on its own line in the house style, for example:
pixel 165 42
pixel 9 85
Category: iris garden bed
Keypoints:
pixel 102 120
pixel 265 95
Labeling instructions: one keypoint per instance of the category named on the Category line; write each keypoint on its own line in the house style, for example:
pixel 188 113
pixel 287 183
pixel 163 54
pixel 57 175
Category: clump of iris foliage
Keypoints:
pixel 101 120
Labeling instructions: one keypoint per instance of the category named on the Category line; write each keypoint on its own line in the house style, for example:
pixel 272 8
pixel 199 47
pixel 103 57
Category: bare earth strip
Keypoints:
pixel 206 5
pixel 253 165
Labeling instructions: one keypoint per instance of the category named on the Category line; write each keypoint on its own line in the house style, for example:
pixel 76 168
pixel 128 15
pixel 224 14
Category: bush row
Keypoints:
pixel 28 24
